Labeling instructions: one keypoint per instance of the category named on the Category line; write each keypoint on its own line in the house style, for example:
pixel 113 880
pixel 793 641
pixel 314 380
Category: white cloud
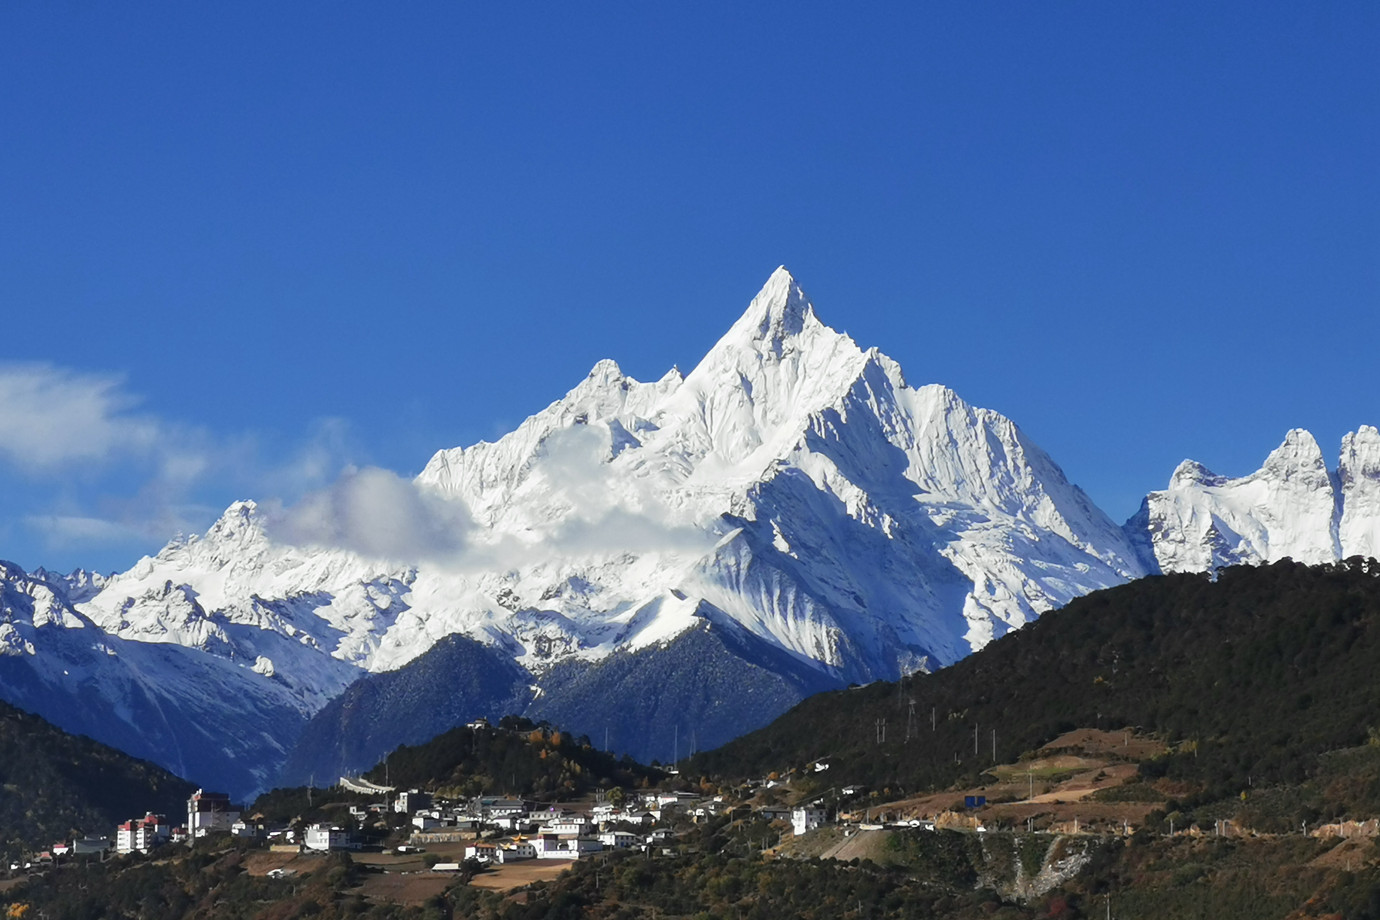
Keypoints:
pixel 581 504
pixel 575 504
pixel 52 417
pixel 377 513
pixel 85 469
pixel 62 529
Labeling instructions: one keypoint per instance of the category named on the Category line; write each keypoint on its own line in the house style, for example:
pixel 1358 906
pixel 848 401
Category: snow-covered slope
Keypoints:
pixel 198 715
pixel 1291 507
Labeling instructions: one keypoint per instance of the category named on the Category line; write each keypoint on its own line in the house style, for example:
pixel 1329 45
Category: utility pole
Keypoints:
pixel 975 728
pixel 994 745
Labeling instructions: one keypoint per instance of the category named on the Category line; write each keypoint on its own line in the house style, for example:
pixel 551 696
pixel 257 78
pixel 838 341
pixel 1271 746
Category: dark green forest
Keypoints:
pixel 516 757
pixel 54 785
pixel 1250 676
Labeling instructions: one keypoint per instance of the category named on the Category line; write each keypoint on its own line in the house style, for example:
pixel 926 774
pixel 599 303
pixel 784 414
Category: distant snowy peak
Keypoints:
pixel 1293 506
pixel 78 585
pixel 1358 530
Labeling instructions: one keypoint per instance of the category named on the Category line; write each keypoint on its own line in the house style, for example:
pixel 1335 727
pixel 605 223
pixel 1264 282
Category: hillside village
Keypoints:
pixel 1076 774
pixel 1058 806
pixel 493 829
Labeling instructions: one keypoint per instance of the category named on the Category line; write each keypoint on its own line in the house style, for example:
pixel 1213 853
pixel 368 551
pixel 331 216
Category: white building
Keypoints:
pixel 567 824
pixel 324 837
pixel 619 840
pixel 209 812
pixel 519 849
pixel 411 800
pixel 484 852
pixel 554 846
pixel 804 820
pixel 425 821
pixel 509 822
pixel 141 834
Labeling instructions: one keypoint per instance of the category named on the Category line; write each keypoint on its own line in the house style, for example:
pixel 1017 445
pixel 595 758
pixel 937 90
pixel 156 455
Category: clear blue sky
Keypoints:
pixel 243 245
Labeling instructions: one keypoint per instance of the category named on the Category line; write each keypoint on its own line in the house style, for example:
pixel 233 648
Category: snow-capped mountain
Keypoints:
pixel 1293 506
pixel 193 713
pixel 791 480
pixel 792 496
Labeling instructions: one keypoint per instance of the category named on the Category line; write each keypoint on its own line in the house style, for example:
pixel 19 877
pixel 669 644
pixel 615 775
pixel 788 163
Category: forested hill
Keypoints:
pixel 1252 674
pixel 56 785
pixel 516 757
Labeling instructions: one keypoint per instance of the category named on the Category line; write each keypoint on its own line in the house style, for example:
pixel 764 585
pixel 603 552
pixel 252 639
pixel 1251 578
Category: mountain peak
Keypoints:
pixel 1299 454
pixel 778 313
pixel 1191 472
pixel 1360 455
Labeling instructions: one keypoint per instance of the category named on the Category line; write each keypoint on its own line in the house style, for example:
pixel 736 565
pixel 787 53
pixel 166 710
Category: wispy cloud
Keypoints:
pixel 87 467
pixel 52 417
pixel 62 529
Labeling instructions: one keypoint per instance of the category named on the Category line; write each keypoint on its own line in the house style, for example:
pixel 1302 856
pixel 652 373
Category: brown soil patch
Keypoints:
pixel 413 888
pixel 515 875
pixel 1124 744
pixel 1084 784
pixel 861 845
pixel 262 863
pixel 1064 775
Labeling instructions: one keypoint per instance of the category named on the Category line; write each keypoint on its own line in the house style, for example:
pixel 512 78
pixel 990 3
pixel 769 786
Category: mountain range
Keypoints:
pixel 660 565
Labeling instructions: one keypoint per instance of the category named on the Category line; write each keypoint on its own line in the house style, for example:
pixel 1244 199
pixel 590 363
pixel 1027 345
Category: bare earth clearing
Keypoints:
pixel 1053 787
pixel 515 875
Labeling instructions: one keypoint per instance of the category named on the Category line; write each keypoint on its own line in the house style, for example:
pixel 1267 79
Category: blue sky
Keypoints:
pixel 243 246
